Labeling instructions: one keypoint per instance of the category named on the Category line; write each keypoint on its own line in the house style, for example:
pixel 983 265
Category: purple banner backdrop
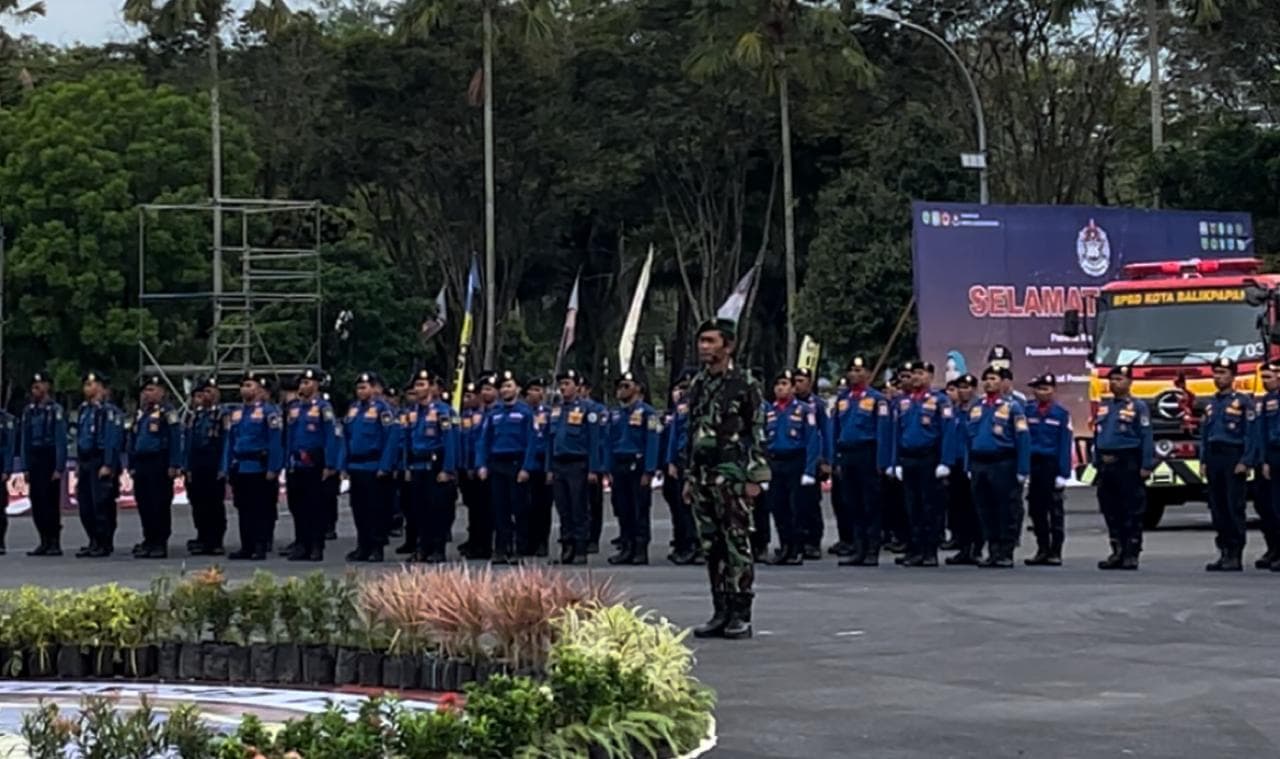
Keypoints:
pixel 1004 275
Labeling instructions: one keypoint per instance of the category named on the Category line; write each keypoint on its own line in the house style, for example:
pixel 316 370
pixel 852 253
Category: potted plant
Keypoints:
pixel 190 607
pixel 345 629
pixel 288 660
pixel 219 612
pixel 34 631
pixel 76 627
pixel 255 621
pixel 319 612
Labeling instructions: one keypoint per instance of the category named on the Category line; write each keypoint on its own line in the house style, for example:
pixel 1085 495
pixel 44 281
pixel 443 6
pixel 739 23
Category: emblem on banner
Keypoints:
pixel 1093 250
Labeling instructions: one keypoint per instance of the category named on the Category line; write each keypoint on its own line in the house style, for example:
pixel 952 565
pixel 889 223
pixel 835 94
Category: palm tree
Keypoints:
pixel 416 19
pixel 781 40
pixel 168 18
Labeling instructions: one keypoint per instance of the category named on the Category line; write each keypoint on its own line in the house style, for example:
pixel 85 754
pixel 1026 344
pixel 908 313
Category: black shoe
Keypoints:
pixel 738 626
pixel 812 553
pixel 542 551
pixel 289 550
pixel 761 555
pixel 83 553
pixel 905 559
pixel 357 554
pixel 1054 560
pixel 1114 560
pixel 987 562
pixel 618 542
pixel 640 554
pixel 374 556
pixel 1219 565
pixel 258 556
pixel 593 547
pixel 215 551
pixel 155 552
pixel 683 558
pixel 714 627
pixel 567 554
pixel 1265 560
pixel 404 549
pixel 101 552
pixel 1129 562
pixel 1003 561
pixel 788 557
pixel 140 548
pixel 1040 559
pixel 241 555
pixel 869 558
pixel 896 547
pixel 40 550
pixel 53 549
pixel 436 557
pixel 502 559
pixel 623 556
pixel 949 545
pixel 580 559
pixel 965 558
pixel 396 532
pixel 315 554
pixel 837 547
pixel 193 544
pixel 331 535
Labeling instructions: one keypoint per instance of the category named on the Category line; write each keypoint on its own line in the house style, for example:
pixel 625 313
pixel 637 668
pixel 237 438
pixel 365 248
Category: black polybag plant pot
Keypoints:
pixel 262 663
pixel 370 668
pixel 141 662
pixel 318 665
pixel 71 663
pixel 346 667
pixel 39 665
pixel 239 665
pixel 288 663
pixel 104 662
pixel 401 672
pixel 216 662
pixel 429 679
pixel 466 673
pixel 167 661
pixel 191 661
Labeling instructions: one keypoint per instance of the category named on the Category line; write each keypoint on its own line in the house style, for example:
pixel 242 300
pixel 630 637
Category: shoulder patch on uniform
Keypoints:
pixel 593 417
pixel 1020 424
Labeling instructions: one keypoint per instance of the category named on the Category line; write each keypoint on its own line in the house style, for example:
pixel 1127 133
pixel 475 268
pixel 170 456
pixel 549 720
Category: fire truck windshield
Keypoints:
pixel 1176 333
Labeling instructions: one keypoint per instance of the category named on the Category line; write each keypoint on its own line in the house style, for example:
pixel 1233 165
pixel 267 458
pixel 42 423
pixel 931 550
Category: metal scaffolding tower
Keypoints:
pixel 262 308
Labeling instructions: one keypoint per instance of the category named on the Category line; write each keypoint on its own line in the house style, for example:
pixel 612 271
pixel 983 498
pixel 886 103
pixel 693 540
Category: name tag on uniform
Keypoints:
pixel 1273 405
pixel 515 416
pixel 575 417
pixel 1054 422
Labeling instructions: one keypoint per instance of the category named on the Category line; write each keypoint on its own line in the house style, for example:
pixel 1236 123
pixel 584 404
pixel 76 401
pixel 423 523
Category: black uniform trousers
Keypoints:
pixel 895 525
pixel 45 494
pixel 632 501
pixel 1226 494
pixel 997 497
pixel 305 491
pixel 810 523
pixel 922 494
pixel 595 499
pixel 962 514
pixel 153 491
pixel 1122 497
pixel 431 505
pixel 370 507
pixel 1266 502
pixel 785 497
pixel 570 490
pixel 207 493
pixel 861 506
pixel 332 489
pixel 253 496
pixel 684 535
pixel 540 507
pixel 97 500
pixel 480 519
pixel 1044 501
pixel 510 504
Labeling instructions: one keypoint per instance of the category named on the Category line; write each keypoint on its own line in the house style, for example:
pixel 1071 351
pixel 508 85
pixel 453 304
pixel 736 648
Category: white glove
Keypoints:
pixel 806 480
pixel 656 483
pixel 764 487
pixel 889 472
pixel 1059 483
pixel 942 471
pixel 1022 479
pixel 897 473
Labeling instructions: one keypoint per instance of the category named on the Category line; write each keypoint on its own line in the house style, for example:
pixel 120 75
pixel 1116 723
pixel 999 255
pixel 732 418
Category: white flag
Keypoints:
pixel 568 335
pixel 732 307
pixel 628 344
pixel 431 327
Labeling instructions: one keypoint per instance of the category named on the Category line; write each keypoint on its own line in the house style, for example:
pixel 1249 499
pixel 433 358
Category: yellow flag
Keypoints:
pixel 810 350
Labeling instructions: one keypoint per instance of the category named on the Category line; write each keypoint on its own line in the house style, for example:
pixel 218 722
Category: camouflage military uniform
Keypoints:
pixel 724 453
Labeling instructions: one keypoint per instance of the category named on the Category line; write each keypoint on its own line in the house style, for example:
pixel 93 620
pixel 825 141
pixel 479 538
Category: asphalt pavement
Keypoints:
pixel 896 663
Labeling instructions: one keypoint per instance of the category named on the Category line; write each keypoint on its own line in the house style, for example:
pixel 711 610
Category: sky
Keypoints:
pixel 91 22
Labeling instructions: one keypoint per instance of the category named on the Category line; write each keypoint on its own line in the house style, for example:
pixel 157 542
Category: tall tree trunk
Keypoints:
pixel 490 291
pixel 788 203
pixel 1153 58
pixel 215 119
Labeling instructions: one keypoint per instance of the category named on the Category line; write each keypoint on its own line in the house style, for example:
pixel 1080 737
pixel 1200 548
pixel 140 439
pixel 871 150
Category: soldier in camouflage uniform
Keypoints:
pixel 725 463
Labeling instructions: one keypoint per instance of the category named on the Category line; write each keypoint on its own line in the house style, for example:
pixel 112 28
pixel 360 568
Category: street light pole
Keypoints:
pixel 984 191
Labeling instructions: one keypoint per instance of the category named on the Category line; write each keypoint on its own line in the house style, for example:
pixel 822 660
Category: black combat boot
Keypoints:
pixel 640 553
pixel 626 552
pixel 1267 559
pixel 854 555
pixel 579 555
pixel 928 560
pixel 714 627
pixel 566 553
pixel 739 625
pixel 1114 560
pixel 1003 557
pixel 1218 565
pixel 1039 560
pixel 1234 561
pixel 811 553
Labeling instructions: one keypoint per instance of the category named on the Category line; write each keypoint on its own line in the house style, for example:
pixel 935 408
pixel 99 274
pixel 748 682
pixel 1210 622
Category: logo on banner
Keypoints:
pixel 1093 250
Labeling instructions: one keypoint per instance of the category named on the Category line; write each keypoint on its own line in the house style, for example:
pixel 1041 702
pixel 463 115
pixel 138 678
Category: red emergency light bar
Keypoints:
pixel 1193 267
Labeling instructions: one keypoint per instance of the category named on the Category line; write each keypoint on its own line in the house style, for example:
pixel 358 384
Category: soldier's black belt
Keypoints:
pixel 1117 455
pixel 419 458
pixel 1274 448
pixel 259 456
pixel 569 458
pixel 1047 456
pixel 365 458
pixel 94 454
pixel 507 458
pixel 1226 449
pixel 786 455
pixel 918 453
pixel 859 445
pixel 993 457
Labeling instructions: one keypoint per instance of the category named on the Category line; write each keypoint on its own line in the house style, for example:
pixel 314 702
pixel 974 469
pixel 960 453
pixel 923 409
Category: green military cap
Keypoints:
pixel 726 327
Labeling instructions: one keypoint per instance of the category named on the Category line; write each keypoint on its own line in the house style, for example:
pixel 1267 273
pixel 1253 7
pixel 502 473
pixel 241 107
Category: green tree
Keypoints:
pixel 76 159
pixel 780 40
pixel 419 18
